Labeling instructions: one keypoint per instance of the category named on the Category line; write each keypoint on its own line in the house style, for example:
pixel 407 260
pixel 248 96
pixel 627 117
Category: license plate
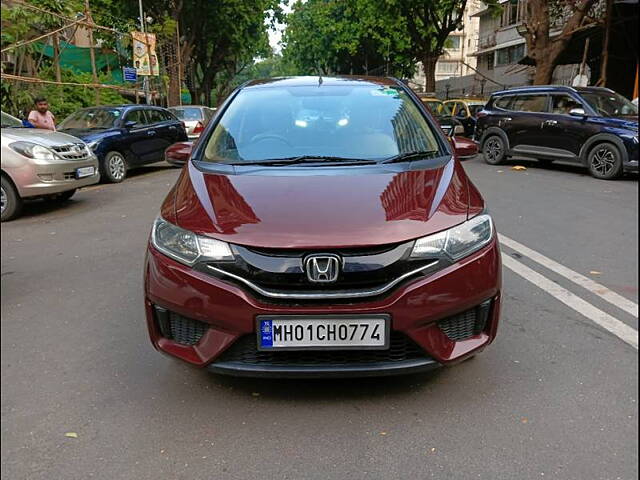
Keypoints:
pixel 345 332
pixel 84 172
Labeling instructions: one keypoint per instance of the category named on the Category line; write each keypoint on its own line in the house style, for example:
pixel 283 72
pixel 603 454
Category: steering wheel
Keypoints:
pixel 270 136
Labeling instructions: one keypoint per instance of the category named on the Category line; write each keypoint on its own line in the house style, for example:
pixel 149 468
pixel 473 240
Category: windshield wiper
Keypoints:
pixel 411 156
pixel 306 159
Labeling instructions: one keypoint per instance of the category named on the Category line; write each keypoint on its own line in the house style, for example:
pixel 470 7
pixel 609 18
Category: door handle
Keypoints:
pixel 550 122
pixel 151 132
pixel 172 127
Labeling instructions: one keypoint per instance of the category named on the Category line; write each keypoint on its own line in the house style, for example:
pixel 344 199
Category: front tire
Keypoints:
pixel 114 167
pixel 494 150
pixel 605 161
pixel 10 201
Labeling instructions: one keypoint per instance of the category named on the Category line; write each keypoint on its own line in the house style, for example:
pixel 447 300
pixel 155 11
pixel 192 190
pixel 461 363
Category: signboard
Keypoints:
pixel 145 60
pixel 129 74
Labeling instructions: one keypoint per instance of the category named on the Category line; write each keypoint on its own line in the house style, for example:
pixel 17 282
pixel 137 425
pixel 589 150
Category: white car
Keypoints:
pixel 39 163
pixel 194 118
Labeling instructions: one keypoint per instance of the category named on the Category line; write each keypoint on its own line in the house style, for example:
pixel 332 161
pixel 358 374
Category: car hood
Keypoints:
pixel 309 210
pixel 46 138
pixel 89 134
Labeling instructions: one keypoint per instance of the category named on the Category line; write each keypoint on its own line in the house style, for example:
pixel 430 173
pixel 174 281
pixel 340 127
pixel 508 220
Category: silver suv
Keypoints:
pixel 40 163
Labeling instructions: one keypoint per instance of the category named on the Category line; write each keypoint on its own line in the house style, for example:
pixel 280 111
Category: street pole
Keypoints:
pixel 145 78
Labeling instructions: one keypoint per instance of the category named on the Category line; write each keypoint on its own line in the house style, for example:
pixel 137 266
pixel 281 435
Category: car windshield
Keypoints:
pixel 609 104
pixel 187 114
pixel 437 107
pixel 10 122
pixel 364 123
pixel 93 118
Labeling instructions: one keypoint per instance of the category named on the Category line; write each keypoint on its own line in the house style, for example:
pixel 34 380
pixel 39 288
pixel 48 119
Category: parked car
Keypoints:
pixel 442 114
pixel 322 227
pixel 590 126
pixel 465 110
pixel 178 153
pixel 40 163
pixel 194 117
pixel 125 136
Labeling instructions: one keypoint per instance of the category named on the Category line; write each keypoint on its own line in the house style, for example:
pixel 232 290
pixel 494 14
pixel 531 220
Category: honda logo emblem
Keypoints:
pixel 322 268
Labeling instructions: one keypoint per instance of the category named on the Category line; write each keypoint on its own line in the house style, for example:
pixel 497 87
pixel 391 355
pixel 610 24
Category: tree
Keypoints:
pixel 545 47
pixel 344 37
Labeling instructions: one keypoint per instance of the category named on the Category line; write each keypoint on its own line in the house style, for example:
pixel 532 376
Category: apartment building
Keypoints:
pixel 458 59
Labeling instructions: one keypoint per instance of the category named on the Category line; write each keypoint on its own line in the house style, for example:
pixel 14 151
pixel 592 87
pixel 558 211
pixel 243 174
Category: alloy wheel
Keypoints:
pixel 603 160
pixel 116 167
pixel 3 200
pixel 493 149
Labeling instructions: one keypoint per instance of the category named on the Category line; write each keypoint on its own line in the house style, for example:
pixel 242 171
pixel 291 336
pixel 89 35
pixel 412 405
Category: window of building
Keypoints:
pixel 453 42
pixel 447 67
pixel 491 58
pixel 512 12
pixel 510 55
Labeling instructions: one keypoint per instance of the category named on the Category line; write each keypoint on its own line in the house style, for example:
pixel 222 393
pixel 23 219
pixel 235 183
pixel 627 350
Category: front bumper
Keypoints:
pixel 230 313
pixel 35 179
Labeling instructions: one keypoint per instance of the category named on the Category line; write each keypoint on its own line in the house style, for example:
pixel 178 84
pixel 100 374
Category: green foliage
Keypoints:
pixel 63 99
pixel 345 37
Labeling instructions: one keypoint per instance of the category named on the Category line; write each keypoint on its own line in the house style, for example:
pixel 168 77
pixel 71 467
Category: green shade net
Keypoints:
pixel 79 59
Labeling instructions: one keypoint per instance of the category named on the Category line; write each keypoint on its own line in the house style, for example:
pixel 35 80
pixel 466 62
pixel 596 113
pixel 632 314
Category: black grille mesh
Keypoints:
pixel 245 351
pixel 178 328
pixel 466 324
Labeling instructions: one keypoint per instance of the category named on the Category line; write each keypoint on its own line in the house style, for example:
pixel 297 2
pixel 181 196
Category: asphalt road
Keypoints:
pixel 555 396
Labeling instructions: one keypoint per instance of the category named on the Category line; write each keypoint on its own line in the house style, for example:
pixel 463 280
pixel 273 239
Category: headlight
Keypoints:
pixel 457 242
pixel 93 145
pixel 185 246
pixel 33 150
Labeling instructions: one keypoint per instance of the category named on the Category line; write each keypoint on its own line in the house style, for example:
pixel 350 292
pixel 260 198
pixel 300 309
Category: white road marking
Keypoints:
pixel 577 278
pixel 606 321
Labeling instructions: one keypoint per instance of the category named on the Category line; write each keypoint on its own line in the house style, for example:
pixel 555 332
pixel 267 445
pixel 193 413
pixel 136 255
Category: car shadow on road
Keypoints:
pixel 556 167
pixel 327 389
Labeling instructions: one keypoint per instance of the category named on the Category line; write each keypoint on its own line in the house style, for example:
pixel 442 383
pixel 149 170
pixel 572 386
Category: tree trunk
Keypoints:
pixel 429 68
pixel 544 71
pixel 56 57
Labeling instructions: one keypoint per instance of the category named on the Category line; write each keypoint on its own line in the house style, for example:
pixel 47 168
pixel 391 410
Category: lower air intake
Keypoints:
pixel 466 324
pixel 178 328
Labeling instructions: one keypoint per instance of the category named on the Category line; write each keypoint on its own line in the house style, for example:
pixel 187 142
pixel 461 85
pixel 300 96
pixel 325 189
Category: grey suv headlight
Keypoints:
pixel 186 247
pixel 457 242
pixel 33 150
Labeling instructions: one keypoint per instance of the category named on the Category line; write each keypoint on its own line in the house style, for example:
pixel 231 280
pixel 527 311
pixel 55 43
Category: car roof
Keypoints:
pixel 122 107
pixel 314 81
pixel 187 106
pixel 467 100
pixel 550 89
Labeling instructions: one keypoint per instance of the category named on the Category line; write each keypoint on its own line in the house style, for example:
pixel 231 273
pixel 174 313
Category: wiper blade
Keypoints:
pixel 410 156
pixel 306 159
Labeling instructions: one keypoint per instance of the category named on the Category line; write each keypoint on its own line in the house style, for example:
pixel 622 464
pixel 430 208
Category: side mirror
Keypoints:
pixel 130 124
pixel 178 153
pixel 577 112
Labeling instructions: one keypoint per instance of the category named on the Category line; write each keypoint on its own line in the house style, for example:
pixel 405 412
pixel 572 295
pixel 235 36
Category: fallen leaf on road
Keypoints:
pixel 383 433
pixel 525 420
pixel 595 272
pixel 518 167
pixel 255 394
pixel 500 171
pixel 71 435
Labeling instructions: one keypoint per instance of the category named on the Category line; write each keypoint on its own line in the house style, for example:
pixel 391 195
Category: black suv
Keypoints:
pixel 591 126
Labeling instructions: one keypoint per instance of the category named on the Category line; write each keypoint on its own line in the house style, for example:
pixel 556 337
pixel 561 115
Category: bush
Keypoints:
pixel 17 97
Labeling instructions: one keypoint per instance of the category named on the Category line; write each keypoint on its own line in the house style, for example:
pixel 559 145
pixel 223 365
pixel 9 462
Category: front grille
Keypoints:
pixel 186 331
pixel 69 175
pixel 72 151
pixel 245 351
pixel 466 324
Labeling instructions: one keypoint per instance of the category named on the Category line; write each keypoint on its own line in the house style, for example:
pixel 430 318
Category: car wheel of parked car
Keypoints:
pixel 605 161
pixel 10 201
pixel 114 169
pixel 494 150
pixel 64 196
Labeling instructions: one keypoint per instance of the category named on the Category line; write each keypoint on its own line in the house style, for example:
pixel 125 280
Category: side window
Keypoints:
pixel 167 116
pixel 137 116
pixel 503 102
pixel 461 110
pixel 563 104
pixel 155 116
pixel 530 103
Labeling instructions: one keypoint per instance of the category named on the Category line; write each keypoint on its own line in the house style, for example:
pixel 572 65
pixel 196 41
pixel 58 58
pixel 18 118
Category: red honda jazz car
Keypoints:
pixel 322 227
